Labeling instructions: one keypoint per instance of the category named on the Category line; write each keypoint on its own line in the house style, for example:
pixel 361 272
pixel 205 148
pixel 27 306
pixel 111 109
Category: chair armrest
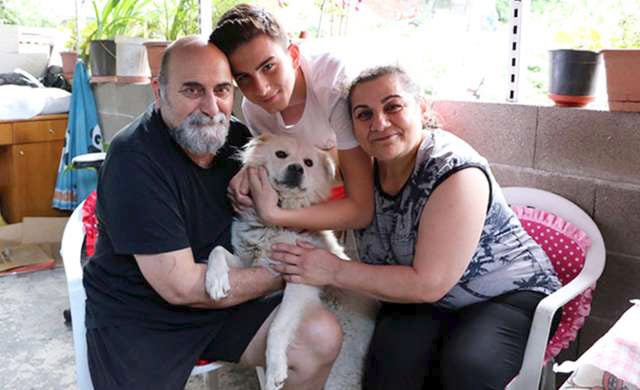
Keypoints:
pixel 529 376
pixel 88 160
pixel 71 247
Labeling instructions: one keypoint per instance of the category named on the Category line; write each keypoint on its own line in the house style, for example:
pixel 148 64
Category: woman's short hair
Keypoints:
pixel 405 80
pixel 244 22
pixel 371 74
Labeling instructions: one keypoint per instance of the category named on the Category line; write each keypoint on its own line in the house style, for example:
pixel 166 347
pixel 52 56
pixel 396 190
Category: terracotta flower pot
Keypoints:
pixel 623 79
pixel 69 59
pixel 572 78
pixel 155 49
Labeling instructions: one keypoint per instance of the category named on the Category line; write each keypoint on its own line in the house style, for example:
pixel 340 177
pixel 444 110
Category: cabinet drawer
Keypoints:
pixel 6 134
pixel 39 131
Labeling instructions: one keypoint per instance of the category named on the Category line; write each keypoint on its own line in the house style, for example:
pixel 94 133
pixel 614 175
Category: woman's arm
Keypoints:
pixel 355 211
pixel 448 236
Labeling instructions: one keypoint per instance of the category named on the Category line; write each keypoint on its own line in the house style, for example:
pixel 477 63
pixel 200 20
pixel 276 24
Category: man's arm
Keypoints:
pixel 178 279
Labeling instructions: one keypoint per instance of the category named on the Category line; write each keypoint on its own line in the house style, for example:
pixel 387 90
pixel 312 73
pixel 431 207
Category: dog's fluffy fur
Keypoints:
pixel 302 175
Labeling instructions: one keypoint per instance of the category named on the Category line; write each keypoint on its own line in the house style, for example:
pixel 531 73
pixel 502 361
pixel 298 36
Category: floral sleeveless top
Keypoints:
pixel 507 258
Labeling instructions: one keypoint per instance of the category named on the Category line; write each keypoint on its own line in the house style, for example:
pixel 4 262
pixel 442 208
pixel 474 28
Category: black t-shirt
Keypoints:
pixel 151 199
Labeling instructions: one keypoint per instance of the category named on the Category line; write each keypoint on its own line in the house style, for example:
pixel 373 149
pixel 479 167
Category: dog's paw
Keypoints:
pixel 217 277
pixel 276 376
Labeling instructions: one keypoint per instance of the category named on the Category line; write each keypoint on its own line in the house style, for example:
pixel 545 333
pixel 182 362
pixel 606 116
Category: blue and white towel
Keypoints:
pixel 83 136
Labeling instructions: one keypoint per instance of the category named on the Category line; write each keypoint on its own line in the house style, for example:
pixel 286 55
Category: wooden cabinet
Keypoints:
pixel 29 158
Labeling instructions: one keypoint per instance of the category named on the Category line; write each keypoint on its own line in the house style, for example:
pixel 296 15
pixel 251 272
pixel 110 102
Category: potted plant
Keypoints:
pixel 622 66
pixel 623 79
pixel 69 55
pixel 69 59
pixel 176 18
pixel 114 18
pixel 573 68
pixel 572 77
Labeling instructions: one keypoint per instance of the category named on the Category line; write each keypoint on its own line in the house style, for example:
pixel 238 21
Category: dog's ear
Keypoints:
pixel 264 137
pixel 250 153
pixel 328 164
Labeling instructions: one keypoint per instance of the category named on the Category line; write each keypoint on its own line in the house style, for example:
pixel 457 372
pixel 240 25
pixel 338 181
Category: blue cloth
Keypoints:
pixel 83 136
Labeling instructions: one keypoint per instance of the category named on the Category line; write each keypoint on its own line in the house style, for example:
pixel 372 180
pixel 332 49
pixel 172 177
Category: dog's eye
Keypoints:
pixel 281 154
pixel 308 162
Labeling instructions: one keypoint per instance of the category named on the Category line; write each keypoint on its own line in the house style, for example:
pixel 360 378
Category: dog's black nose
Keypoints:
pixel 293 176
pixel 295 169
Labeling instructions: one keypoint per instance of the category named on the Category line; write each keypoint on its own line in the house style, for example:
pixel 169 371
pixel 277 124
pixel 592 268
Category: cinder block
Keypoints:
pixel 592 330
pixel 133 99
pixel 580 191
pixel 592 143
pixel 617 213
pixel 617 285
pixel 502 133
pixel 111 123
pixel 105 95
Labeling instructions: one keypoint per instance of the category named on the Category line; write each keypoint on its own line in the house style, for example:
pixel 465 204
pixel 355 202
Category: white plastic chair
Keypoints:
pixel 71 250
pixel 532 365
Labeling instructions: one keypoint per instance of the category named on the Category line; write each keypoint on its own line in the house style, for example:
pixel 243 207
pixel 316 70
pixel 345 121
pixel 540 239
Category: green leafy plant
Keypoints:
pixel 171 19
pixel 115 17
pixel 221 6
pixel 582 37
pixel 628 33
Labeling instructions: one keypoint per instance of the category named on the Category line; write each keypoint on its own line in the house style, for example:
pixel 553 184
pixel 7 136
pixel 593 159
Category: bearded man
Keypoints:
pixel 162 207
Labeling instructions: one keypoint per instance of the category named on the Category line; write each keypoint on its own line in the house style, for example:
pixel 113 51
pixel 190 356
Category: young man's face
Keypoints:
pixel 265 72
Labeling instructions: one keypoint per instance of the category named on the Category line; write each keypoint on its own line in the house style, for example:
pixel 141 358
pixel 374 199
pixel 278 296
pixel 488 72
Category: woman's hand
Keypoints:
pixel 306 264
pixel 238 192
pixel 265 198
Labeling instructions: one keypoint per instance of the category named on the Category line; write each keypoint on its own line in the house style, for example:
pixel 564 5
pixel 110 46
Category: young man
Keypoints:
pixel 286 91
pixel 161 209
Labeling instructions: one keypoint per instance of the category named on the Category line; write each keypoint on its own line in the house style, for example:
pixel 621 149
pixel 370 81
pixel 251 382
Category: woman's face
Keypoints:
pixel 387 120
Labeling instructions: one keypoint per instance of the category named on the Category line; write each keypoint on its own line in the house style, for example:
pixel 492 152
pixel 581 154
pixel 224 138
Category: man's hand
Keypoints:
pixel 238 191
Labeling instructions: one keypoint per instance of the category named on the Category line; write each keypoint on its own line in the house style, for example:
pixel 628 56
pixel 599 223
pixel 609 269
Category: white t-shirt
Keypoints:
pixel 325 121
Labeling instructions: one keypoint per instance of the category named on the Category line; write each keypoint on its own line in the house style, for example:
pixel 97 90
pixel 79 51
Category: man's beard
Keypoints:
pixel 201 134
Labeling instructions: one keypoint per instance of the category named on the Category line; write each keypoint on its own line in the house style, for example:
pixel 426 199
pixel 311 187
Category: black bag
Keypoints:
pixel 53 78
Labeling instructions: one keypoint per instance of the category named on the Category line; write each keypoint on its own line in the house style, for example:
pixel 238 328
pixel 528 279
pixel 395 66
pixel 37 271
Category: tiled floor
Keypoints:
pixel 36 347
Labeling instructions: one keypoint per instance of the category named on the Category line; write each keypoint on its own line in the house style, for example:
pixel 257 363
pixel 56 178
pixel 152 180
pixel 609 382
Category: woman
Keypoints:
pixel 458 277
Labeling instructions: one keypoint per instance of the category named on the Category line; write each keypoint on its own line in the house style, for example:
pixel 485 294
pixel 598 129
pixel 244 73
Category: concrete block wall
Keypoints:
pixel 119 104
pixel 590 157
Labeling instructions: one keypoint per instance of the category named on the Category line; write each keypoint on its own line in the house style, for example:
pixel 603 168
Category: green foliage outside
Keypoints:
pixel 154 19
pixel 25 13
pixel 171 19
pixel 7 15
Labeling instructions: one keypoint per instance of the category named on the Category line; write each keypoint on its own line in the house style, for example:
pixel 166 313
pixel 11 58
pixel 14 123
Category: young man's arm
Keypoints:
pixel 178 279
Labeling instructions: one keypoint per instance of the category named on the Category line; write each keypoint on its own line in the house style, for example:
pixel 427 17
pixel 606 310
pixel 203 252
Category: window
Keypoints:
pixel 469 49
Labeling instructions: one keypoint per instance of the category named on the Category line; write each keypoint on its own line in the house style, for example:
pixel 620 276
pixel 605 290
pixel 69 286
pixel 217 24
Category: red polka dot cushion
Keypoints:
pixel 567 246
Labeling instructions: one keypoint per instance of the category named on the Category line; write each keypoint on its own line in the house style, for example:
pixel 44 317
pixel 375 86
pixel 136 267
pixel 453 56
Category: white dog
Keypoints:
pixel 302 175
